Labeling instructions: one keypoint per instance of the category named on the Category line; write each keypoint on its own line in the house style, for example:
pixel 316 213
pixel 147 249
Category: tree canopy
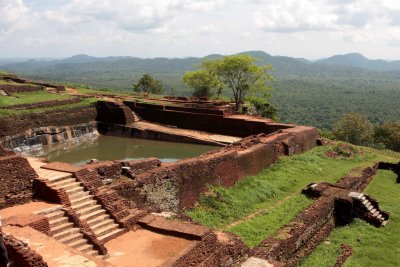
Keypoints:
pixel 202 82
pixel 354 128
pixel 147 84
pixel 241 75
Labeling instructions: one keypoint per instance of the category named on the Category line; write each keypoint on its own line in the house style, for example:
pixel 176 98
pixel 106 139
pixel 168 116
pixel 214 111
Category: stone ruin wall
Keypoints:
pixel 12 125
pixel 206 121
pixel 16 179
pixel 10 88
pixel 296 240
pixel 177 186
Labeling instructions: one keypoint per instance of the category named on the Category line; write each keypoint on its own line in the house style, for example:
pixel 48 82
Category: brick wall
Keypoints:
pixel 113 112
pixel 16 179
pixel 20 253
pixel 10 89
pixel 178 186
pixel 18 124
pixel 214 123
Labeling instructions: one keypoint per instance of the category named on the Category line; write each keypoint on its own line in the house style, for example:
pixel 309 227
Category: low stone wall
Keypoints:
pixel 177 186
pixel 241 126
pixel 114 112
pixel 21 255
pixel 10 88
pixel 16 179
pixel 13 125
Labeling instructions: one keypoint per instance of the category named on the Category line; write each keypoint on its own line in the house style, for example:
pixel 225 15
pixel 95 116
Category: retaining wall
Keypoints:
pixel 12 125
pixel 177 186
pixel 10 88
pixel 16 180
pixel 241 126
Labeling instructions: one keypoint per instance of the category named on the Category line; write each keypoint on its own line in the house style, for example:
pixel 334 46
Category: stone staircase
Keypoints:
pixel 88 209
pixel 371 211
pixel 65 232
pixel 136 117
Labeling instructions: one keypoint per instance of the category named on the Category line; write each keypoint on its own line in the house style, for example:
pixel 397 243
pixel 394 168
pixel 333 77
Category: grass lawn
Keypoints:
pixel 101 92
pixel 30 97
pixel 259 205
pixel 84 102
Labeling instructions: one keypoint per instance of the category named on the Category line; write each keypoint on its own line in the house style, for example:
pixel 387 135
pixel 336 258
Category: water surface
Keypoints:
pixel 119 148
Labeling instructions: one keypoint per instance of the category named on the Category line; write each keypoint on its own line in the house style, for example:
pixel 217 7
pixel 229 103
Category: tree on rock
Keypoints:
pixel 147 84
pixel 354 128
pixel 241 75
pixel 203 83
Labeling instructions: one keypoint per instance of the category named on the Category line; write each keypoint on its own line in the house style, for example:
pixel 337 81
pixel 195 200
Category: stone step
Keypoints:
pixel 63 182
pixel 55 215
pixel 59 177
pixel 75 190
pixel 61 228
pixel 78 195
pixel 70 185
pixel 372 211
pixel 375 213
pixel 88 210
pixel 111 235
pixel 66 233
pixel 106 229
pixel 98 219
pixel 384 223
pixel 364 201
pixel 102 224
pixel 72 238
pixel 370 207
pixel 84 205
pixel 78 243
pixel 58 221
pixel 92 215
pixel 379 216
pixel 87 248
pixel 81 199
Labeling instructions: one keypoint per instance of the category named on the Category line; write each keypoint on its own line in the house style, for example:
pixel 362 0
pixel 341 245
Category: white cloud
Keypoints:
pixel 197 27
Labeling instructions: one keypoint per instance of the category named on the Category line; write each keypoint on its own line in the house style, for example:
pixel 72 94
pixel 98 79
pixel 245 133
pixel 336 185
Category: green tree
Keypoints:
pixel 203 83
pixel 354 128
pixel 264 108
pixel 388 134
pixel 147 84
pixel 242 76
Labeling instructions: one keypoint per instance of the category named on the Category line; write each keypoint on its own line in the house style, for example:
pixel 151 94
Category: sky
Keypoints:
pixel 181 28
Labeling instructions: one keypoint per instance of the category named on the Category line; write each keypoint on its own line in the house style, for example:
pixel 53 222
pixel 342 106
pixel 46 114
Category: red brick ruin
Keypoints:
pixel 134 195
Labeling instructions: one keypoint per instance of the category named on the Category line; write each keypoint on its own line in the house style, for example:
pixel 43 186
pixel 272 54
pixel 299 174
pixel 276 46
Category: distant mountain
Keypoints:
pixel 121 72
pixel 358 60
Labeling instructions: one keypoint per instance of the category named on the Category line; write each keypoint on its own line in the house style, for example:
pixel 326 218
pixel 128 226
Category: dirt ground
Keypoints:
pixel 144 248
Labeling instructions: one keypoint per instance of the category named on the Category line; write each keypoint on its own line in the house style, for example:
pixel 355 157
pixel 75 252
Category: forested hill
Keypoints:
pixel 313 93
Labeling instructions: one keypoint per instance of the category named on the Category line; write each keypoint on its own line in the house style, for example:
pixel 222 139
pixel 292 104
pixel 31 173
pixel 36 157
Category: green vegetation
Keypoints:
pixel 203 83
pixel 257 206
pixel 240 75
pixel 304 93
pixel 83 103
pixel 354 128
pixel 30 97
pixel 147 84
pixel 371 246
pixel 89 91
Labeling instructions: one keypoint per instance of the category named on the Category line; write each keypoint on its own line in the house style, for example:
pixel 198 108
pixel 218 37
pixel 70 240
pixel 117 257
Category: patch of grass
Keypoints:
pixel 253 231
pixel 278 187
pixel 83 103
pixel 30 97
pixel 371 246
